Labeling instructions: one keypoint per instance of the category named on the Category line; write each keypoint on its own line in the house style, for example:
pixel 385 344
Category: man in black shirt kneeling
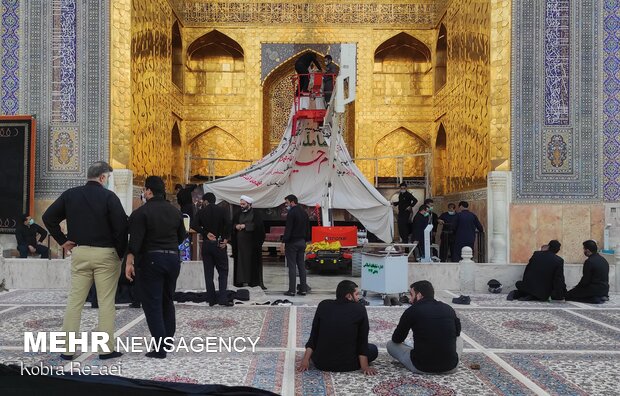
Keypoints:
pixel 437 344
pixel 339 337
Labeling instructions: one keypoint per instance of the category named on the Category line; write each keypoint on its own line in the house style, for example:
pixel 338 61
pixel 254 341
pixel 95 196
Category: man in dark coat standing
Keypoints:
pixel 155 231
pixel 420 221
pixel 406 202
pixel 328 79
pixel 465 226
pixel 301 67
pixel 543 276
pixel 447 233
pixel 247 241
pixel 594 284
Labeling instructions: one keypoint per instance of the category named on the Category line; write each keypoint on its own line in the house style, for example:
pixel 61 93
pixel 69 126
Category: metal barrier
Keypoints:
pixel 481 247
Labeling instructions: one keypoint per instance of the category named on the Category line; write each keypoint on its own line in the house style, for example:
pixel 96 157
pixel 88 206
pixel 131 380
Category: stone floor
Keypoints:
pixel 520 347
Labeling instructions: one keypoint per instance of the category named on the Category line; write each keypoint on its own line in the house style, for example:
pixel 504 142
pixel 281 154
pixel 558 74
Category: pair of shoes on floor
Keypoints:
pixel 462 300
pixel 282 302
pixel 391 301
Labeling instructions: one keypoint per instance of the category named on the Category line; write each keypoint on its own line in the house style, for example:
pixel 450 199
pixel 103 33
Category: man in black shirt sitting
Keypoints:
pixel 436 330
pixel 26 235
pixel 339 336
pixel 155 231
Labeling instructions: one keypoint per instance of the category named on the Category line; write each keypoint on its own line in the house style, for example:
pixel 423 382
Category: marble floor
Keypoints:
pixel 521 348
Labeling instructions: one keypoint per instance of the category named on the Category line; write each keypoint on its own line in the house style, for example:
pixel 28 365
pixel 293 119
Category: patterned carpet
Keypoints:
pixel 521 348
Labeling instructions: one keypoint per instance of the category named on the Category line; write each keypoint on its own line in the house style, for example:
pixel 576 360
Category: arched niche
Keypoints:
pixel 176 146
pixel 278 99
pixel 440 162
pixel 215 65
pixel 177 56
pixel 401 142
pixel 215 142
pixel 441 58
pixel 404 62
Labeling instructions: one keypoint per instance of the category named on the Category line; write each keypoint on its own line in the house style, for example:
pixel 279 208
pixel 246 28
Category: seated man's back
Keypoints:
pixel 544 276
pixel 339 335
pixel 436 333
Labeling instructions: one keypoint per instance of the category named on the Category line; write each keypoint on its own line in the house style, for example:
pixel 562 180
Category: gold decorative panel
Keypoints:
pixel 221 82
pixel 151 74
pixel 120 83
pixel 499 106
pixel 401 142
pixel 462 105
pixel 345 12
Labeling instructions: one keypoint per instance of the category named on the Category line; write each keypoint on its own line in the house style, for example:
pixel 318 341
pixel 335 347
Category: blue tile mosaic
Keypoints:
pixel 9 57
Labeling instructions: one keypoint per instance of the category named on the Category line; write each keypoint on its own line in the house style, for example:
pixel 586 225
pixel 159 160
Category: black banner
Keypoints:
pixel 16 170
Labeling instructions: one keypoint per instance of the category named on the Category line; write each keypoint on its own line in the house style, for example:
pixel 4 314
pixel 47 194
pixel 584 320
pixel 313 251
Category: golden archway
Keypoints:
pixel 278 99
pixel 216 143
pixel 215 65
pixel 401 141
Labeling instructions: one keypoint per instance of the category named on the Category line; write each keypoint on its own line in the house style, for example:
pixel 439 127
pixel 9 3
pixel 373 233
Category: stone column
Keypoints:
pixel 122 185
pixel 467 270
pixel 498 210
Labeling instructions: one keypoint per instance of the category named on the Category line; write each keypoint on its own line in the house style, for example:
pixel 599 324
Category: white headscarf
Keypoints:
pixel 247 199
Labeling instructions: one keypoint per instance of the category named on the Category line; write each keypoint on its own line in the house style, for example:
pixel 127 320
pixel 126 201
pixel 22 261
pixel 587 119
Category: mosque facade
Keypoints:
pixel 516 102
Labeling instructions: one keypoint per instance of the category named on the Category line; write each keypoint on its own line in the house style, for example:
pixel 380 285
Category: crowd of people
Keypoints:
pixel 458 228
pixel 100 236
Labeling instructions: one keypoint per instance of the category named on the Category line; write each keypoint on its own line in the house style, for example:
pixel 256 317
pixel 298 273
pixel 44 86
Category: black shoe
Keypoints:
pixel 67 357
pixel 227 304
pixel 308 288
pixel 113 355
pixel 135 305
pixel 527 298
pixel 394 301
pixel 289 293
pixel 511 296
pixel 301 293
pixel 462 300
pixel 156 355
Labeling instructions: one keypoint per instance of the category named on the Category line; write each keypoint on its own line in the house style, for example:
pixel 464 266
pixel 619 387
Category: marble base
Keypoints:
pixel 43 274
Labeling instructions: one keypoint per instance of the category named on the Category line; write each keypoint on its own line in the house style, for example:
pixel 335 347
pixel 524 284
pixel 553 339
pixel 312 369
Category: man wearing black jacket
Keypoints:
pixel 594 284
pixel 406 202
pixel 294 239
pixel 97 238
pixel 339 336
pixel 213 223
pixel 543 276
pixel 155 231
pixel 437 344
pixel 26 235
